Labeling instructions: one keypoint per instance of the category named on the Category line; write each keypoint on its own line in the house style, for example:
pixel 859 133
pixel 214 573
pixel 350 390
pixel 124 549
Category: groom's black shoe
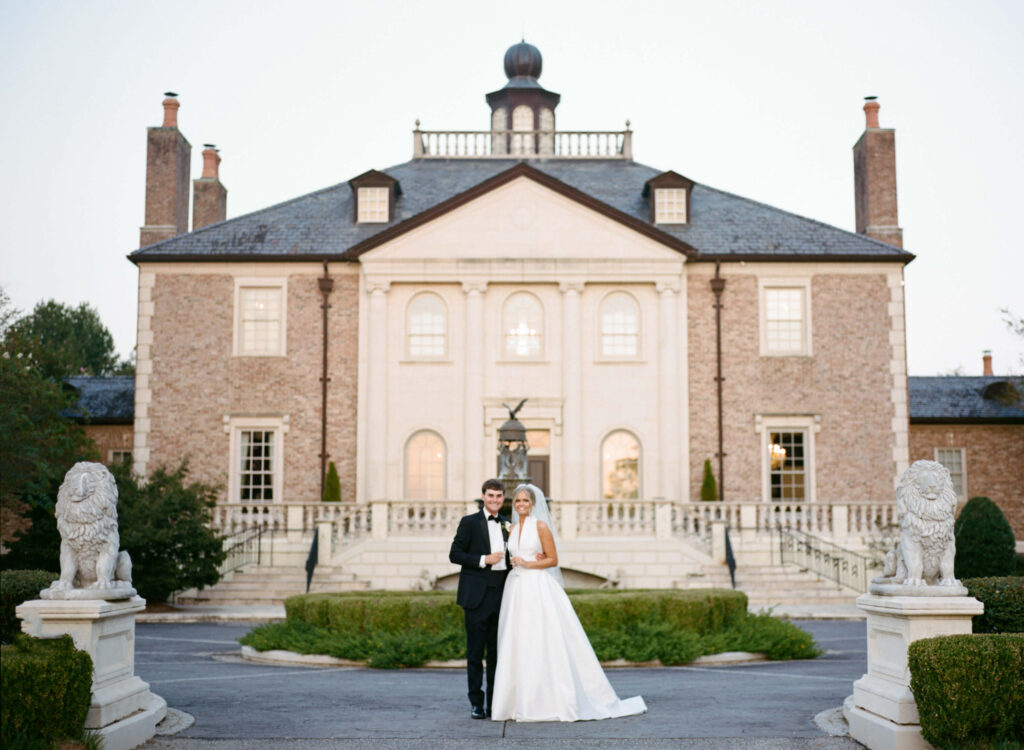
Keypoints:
pixel 478 712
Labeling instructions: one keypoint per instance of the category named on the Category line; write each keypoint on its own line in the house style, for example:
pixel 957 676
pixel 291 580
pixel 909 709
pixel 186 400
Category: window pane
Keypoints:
pixel 523 323
pixel 427 326
pixel 952 459
pixel 373 204
pixel 260 310
pixel 670 206
pixel 620 466
pixel 522 120
pixel 424 467
pixel 787 466
pixel 784 320
pixel 620 326
pixel 256 473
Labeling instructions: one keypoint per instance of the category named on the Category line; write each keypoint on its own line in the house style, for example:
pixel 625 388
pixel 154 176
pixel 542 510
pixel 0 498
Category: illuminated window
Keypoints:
pixel 787 466
pixel 670 206
pixel 620 466
pixel 427 323
pixel 784 328
pixel 425 467
pixel 523 326
pixel 372 204
pixel 260 321
pixel 620 326
pixel 953 460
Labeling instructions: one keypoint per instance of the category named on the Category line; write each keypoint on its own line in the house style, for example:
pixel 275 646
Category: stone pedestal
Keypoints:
pixel 123 710
pixel 882 713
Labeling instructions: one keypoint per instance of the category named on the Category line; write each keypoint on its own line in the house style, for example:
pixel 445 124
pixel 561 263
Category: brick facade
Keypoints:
pixel 197 382
pixel 994 461
pixel 845 382
pixel 109 438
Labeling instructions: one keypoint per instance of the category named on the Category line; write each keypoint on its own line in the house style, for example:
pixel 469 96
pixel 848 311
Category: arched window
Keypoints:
pixel 546 125
pixel 522 326
pixel 620 466
pixel 620 326
pixel 425 456
pixel 426 327
pixel 499 119
pixel 522 120
pixel 499 124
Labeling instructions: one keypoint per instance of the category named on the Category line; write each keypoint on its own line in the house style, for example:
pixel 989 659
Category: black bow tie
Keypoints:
pixel 492 518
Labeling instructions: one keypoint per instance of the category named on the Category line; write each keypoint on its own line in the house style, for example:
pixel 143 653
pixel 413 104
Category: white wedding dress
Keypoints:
pixel 547 669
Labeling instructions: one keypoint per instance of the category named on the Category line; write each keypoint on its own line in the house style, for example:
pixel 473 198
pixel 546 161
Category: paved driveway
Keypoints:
pixel 239 704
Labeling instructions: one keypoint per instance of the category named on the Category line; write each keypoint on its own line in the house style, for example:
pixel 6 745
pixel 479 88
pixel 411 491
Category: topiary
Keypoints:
pixel 708 488
pixel 1003 598
pixel 984 541
pixel 332 485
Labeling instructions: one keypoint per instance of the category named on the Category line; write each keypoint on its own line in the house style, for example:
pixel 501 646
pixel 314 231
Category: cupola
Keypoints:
pixel 523 108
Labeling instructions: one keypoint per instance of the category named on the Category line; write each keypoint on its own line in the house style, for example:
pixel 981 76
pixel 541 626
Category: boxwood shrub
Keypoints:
pixel 1004 604
pixel 47 687
pixel 969 688
pixel 17 586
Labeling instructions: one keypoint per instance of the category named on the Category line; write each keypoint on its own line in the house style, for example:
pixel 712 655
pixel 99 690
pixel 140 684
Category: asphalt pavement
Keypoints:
pixel 197 668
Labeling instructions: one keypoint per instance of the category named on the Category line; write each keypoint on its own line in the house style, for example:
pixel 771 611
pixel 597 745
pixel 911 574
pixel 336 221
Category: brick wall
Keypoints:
pixel 846 381
pixel 196 381
pixel 110 437
pixel 994 461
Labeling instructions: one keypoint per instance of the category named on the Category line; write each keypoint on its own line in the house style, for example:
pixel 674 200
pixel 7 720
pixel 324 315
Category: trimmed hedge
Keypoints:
pixel 47 687
pixel 1004 604
pixel 969 688
pixel 17 586
pixel 393 629
pixel 984 541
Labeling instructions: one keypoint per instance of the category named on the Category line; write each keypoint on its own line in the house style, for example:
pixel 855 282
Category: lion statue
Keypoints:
pixel 89 540
pixel 925 506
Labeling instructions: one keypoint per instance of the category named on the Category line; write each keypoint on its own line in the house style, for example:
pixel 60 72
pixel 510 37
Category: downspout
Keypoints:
pixel 326 287
pixel 718 286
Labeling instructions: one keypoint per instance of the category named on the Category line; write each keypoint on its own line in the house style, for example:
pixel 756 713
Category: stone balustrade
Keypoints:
pixel 507 144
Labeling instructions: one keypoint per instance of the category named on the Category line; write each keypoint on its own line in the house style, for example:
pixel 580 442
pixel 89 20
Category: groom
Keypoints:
pixel 479 547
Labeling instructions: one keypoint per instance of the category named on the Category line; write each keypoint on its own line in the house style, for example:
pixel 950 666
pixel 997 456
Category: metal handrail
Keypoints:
pixel 828 560
pixel 243 548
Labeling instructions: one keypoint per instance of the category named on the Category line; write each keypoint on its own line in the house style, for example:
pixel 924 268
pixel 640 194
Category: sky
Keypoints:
pixel 762 99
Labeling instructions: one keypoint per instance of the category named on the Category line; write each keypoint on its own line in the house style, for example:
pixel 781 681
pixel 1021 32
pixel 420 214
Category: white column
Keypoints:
pixel 377 387
pixel 571 471
pixel 474 472
pixel 669 449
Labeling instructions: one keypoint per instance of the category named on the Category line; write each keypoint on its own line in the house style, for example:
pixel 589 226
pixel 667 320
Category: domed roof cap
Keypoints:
pixel 522 61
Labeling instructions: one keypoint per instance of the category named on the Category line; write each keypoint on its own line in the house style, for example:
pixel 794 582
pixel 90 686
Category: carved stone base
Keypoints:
pixel 121 702
pixel 882 713
pixel 133 730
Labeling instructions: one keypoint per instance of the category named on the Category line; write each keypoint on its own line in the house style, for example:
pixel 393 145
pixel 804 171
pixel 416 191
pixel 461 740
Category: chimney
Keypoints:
pixel 167 173
pixel 986 362
pixel 210 197
pixel 874 179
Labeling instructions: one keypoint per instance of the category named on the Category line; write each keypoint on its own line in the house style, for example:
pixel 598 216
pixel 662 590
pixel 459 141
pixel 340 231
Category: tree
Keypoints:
pixel 332 485
pixel 708 488
pixel 984 541
pixel 166 527
pixel 58 340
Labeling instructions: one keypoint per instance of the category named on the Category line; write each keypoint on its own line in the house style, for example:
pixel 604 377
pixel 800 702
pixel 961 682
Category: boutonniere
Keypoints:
pixel 505 527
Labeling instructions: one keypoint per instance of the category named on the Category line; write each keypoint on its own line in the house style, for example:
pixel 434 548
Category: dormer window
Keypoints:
pixel 669 196
pixel 374 196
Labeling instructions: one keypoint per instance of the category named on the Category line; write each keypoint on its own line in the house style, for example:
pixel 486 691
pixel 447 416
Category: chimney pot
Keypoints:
pixel 171 105
pixel 871 108
pixel 986 362
pixel 211 162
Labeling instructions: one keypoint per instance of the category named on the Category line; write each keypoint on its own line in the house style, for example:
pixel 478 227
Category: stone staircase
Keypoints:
pixel 271 585
pixel 773 585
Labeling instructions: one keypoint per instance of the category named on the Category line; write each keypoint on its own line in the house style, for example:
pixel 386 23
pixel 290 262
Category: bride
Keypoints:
pixel 547 669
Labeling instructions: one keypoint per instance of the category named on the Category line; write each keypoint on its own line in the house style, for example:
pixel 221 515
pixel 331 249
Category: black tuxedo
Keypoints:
pixel 479 596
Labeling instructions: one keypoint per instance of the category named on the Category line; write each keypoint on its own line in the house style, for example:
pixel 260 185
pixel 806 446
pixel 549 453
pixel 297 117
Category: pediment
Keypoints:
pixel 522 219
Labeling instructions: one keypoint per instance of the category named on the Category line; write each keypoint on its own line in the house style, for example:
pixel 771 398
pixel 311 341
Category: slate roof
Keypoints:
pixel 957 398
pixel 321 224
pixel 103 399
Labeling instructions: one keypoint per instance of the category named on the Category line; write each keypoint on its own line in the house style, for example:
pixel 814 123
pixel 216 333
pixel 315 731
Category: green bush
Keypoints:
pixel 984 541
pixel 332 485
pixel 1004 604
pixel 969 689
pixel 47 687
pixel 394 629
pixel 17 586
pixel 708 488
pixel 1020 564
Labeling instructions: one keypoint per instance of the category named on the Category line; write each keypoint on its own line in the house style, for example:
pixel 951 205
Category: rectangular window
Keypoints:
pixel 953 460
pixel 256 466
pixel 373 204
pixel 260 321
pixel 784 325
pixel 119 457
pixel 670 206
pixel 787 466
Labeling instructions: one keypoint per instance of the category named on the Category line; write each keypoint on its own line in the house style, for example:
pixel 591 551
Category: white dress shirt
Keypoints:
pixel 497 544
